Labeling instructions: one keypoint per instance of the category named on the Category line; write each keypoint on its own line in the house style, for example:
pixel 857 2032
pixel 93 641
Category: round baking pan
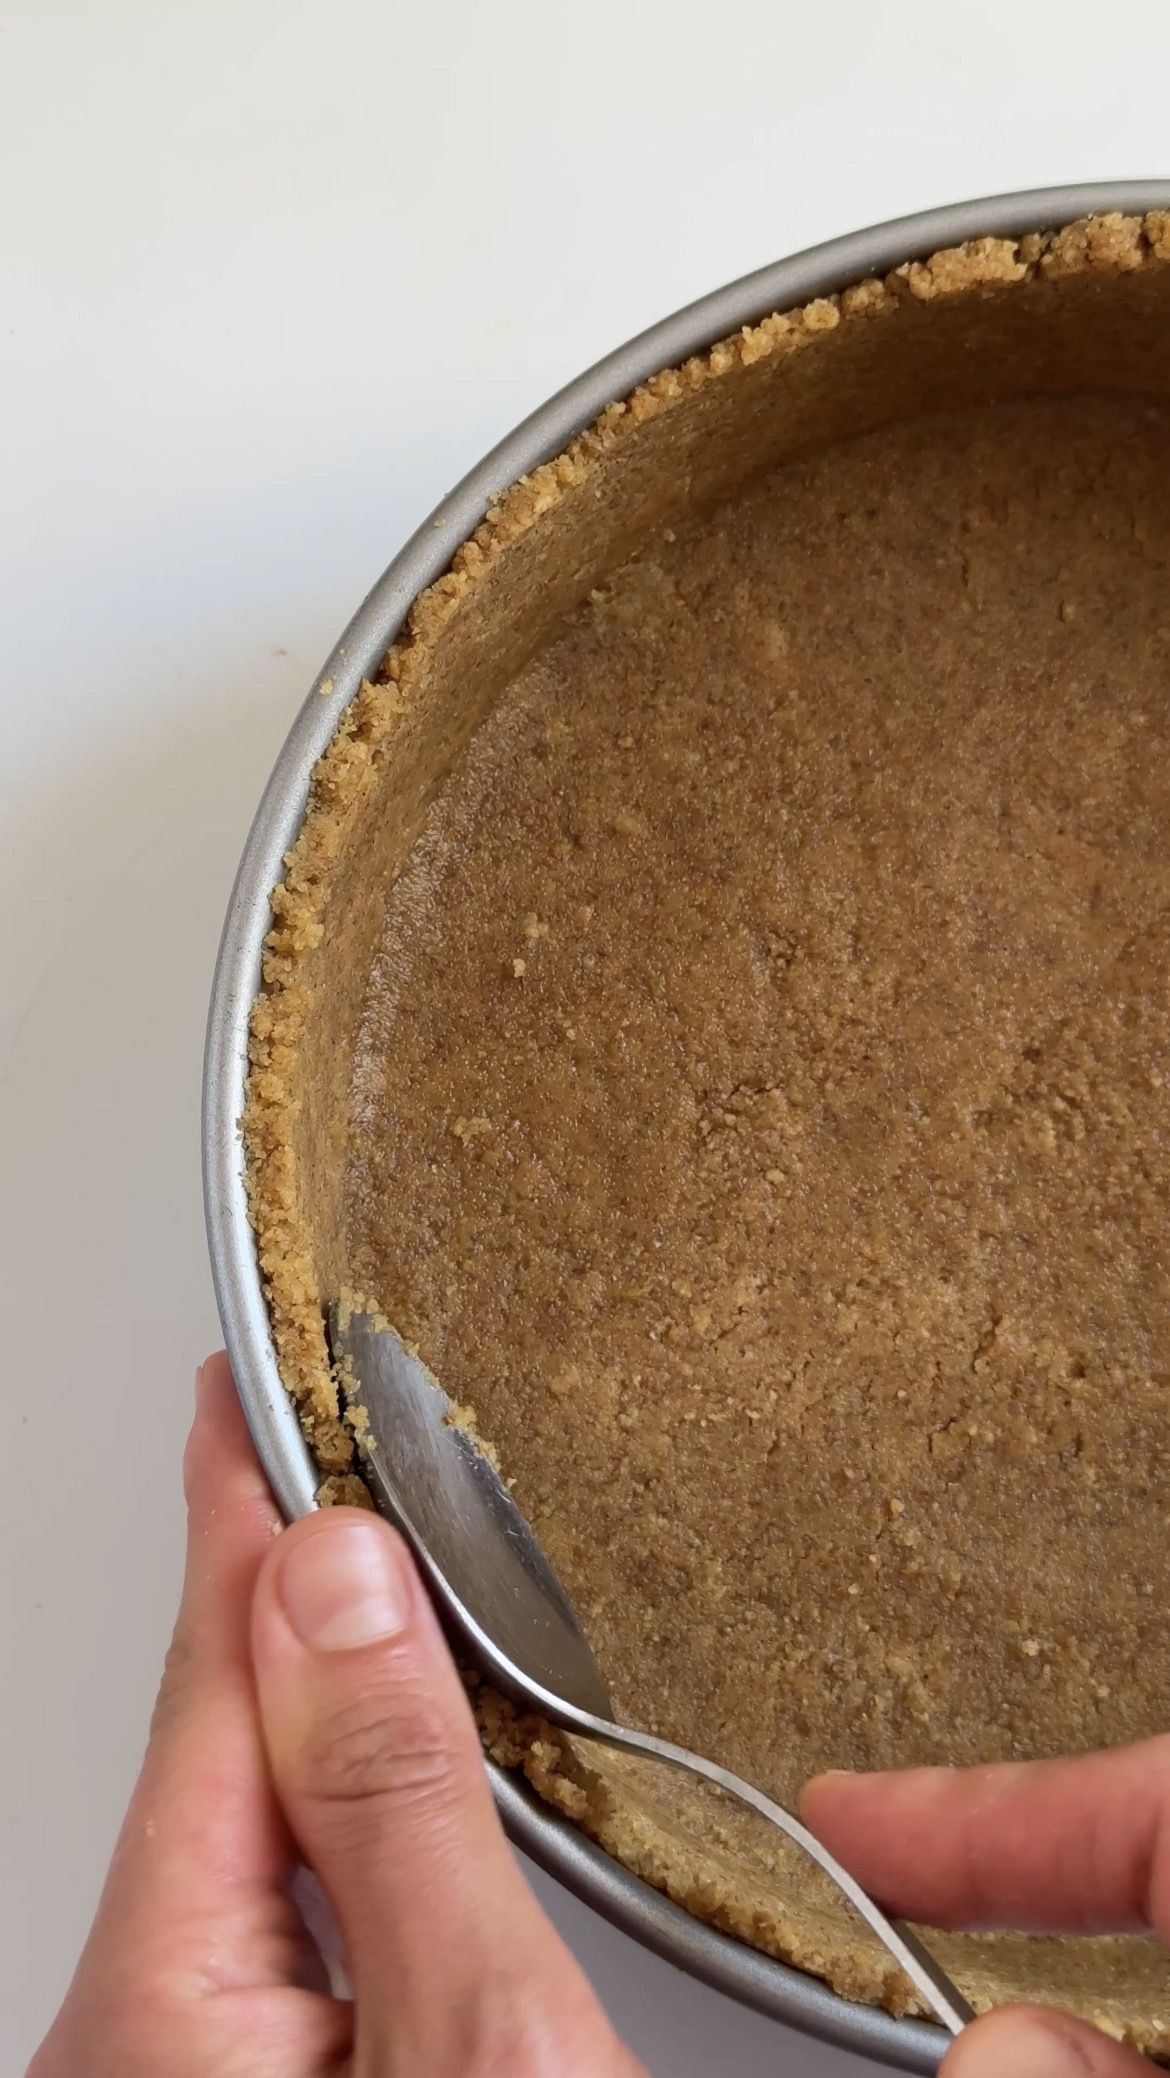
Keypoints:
pixel 789 1995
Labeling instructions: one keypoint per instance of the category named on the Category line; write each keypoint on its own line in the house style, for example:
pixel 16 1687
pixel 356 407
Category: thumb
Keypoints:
pixel 1033 2042
pixel 378 1766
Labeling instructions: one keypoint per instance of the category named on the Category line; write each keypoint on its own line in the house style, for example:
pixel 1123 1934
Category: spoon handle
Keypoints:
pixel 902 1943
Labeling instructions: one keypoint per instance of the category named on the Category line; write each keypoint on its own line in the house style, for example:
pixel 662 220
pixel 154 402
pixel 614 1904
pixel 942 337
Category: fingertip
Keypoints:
pixel 347 1557
pixel 219 1461
pixel 841 1790
pixel 825 1787
pixel 828 1801
pixel 323 1521
pixel 213 1379
pixel 1037 2042
pixel 216 1404
pixel 343 1579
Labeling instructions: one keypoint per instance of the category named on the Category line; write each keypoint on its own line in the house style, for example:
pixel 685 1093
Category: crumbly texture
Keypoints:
pixel 377 720
pixel 933 1032
pixel 762 1113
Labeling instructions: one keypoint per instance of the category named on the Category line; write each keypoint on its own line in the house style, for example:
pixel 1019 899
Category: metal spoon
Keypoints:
pixel 493 1584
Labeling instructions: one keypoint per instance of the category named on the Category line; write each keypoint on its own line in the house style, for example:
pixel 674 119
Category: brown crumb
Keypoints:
pixel 820 1184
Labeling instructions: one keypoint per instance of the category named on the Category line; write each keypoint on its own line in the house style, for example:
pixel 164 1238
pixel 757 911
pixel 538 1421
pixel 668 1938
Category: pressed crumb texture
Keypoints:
pixel 795 1217
pixel 762 1111
pixel 760 1116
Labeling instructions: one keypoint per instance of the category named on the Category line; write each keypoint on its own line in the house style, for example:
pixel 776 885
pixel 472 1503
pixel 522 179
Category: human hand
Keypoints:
pixel 310 1710
pixel 1064 1846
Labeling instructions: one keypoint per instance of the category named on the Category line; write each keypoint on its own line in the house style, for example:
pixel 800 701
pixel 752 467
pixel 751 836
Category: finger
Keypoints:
pixel 1061 1846
pixel 378 1766
pixel 231 1521
pixel 204 1842
pixel 194 1901
pixel 203 1823
pixel 1033 2042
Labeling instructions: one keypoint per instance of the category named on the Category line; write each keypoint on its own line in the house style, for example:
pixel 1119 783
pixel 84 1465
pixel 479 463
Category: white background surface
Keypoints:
pixel 275 273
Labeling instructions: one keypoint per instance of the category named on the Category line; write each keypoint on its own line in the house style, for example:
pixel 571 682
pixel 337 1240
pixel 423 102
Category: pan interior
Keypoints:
pixel 717 1008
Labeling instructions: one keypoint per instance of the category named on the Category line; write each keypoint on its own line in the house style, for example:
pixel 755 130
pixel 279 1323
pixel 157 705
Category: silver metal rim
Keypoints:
pixel 787 1994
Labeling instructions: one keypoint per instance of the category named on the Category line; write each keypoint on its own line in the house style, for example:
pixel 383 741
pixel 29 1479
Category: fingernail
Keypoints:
pixel 345 1587
pixel 828 1778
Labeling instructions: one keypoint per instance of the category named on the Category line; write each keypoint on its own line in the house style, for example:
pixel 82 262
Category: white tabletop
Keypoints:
pixel 276 273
